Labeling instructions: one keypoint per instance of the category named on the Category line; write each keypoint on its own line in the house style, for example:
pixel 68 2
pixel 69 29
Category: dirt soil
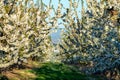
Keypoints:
pixel 22 74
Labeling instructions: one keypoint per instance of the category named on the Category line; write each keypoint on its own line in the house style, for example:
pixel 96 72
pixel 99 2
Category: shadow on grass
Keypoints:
pixel 2 77
pixel 58 71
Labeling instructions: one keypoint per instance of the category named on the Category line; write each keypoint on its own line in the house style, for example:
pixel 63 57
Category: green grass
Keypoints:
pixel 50 71
pixel 59 71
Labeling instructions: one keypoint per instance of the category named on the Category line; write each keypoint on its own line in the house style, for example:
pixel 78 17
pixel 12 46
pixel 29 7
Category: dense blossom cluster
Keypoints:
pixel 24 31
pixel 94 38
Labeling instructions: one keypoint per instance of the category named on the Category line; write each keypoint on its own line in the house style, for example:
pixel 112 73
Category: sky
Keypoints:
pixel 56 35
pixel 64 2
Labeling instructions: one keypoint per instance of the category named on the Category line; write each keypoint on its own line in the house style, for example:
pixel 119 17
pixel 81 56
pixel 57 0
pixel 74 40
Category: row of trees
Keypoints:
pixel 24 31
pixel 93 39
